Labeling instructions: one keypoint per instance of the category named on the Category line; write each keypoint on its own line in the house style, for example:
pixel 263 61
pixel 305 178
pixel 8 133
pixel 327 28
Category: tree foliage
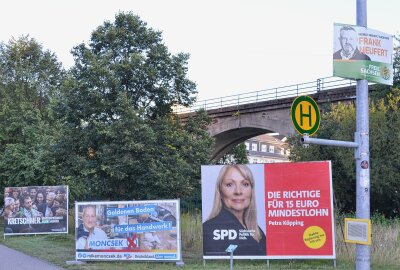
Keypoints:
pixel 125 56
pixel 120 139
pixel 30 76
pixel 339 124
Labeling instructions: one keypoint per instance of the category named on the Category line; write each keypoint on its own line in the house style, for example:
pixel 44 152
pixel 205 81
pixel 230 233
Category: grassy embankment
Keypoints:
pixel 58 249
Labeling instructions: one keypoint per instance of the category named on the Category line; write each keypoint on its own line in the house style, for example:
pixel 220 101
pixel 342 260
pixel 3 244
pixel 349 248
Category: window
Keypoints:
pixel 247 146
pixel 264 148
pixel 271 149
pixel 255 160
pixel 282 151
pixel 254 146
pixel 287 152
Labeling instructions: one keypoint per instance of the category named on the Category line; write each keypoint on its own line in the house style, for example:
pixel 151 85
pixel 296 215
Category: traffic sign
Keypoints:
pixel 305 115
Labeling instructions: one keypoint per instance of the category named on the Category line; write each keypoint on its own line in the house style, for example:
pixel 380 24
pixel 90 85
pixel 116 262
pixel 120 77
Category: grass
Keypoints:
pixel 57 249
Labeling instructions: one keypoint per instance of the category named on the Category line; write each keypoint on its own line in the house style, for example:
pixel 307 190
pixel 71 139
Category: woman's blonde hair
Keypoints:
pixel 250 214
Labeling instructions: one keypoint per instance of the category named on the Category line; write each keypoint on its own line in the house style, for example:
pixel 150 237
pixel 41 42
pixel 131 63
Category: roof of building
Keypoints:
pixel 278 139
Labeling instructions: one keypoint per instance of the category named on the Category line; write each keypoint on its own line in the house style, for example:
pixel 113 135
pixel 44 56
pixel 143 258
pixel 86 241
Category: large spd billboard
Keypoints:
pixel 270 211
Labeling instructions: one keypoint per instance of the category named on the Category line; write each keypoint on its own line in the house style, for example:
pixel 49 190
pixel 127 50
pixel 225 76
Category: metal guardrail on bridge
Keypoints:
pixel 321 84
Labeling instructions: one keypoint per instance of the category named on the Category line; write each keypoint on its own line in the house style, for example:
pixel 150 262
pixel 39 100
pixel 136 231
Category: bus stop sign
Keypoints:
pixel 305 115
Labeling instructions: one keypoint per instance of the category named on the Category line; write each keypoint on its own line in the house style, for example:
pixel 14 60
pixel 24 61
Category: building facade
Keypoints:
pixel 267 148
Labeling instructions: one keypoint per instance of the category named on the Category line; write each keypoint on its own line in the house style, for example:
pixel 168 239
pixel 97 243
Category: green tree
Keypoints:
pixel 385 155
pixel 30 76
pixel 238 155
pixel 120 138
pixel 126 56
pixel 339 124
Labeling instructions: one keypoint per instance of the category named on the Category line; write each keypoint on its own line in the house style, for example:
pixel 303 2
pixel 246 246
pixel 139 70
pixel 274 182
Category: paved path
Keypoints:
pixel 11 259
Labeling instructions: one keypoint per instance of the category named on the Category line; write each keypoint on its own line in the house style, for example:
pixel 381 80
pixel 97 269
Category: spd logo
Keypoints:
pixel 222 234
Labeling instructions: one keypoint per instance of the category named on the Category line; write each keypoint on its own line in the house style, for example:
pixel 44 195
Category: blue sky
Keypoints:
pixel 236 46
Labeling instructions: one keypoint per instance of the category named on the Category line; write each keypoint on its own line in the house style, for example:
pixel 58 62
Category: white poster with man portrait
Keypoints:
pixel 362 53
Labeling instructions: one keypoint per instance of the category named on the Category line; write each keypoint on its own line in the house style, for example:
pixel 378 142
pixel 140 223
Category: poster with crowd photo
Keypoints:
pixel 35 210
pixel 269 211
pixel 128 230
pixel 362 53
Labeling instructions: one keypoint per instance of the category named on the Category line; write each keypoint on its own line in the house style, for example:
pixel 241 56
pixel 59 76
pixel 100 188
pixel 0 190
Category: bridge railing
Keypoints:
pixel 313 87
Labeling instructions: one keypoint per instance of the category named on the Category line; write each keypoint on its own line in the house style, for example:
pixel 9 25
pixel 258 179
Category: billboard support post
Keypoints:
pixel 231 249
pixel 231 261
pixel 363 252
pixel 361 151
pixel 180 263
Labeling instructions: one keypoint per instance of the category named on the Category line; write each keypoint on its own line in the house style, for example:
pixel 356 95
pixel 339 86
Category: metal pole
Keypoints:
pixel 180 262
pixel 231 261
pixel 363 253
pixel 307 140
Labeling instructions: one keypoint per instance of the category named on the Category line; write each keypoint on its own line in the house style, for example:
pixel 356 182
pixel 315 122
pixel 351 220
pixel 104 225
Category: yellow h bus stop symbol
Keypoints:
pixel 305 115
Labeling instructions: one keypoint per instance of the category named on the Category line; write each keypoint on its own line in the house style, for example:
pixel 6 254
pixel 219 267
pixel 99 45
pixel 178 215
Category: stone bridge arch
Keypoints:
pixel 232 130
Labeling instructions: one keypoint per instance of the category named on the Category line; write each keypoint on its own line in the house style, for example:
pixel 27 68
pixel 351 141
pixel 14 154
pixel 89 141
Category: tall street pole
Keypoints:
pixel 363 253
